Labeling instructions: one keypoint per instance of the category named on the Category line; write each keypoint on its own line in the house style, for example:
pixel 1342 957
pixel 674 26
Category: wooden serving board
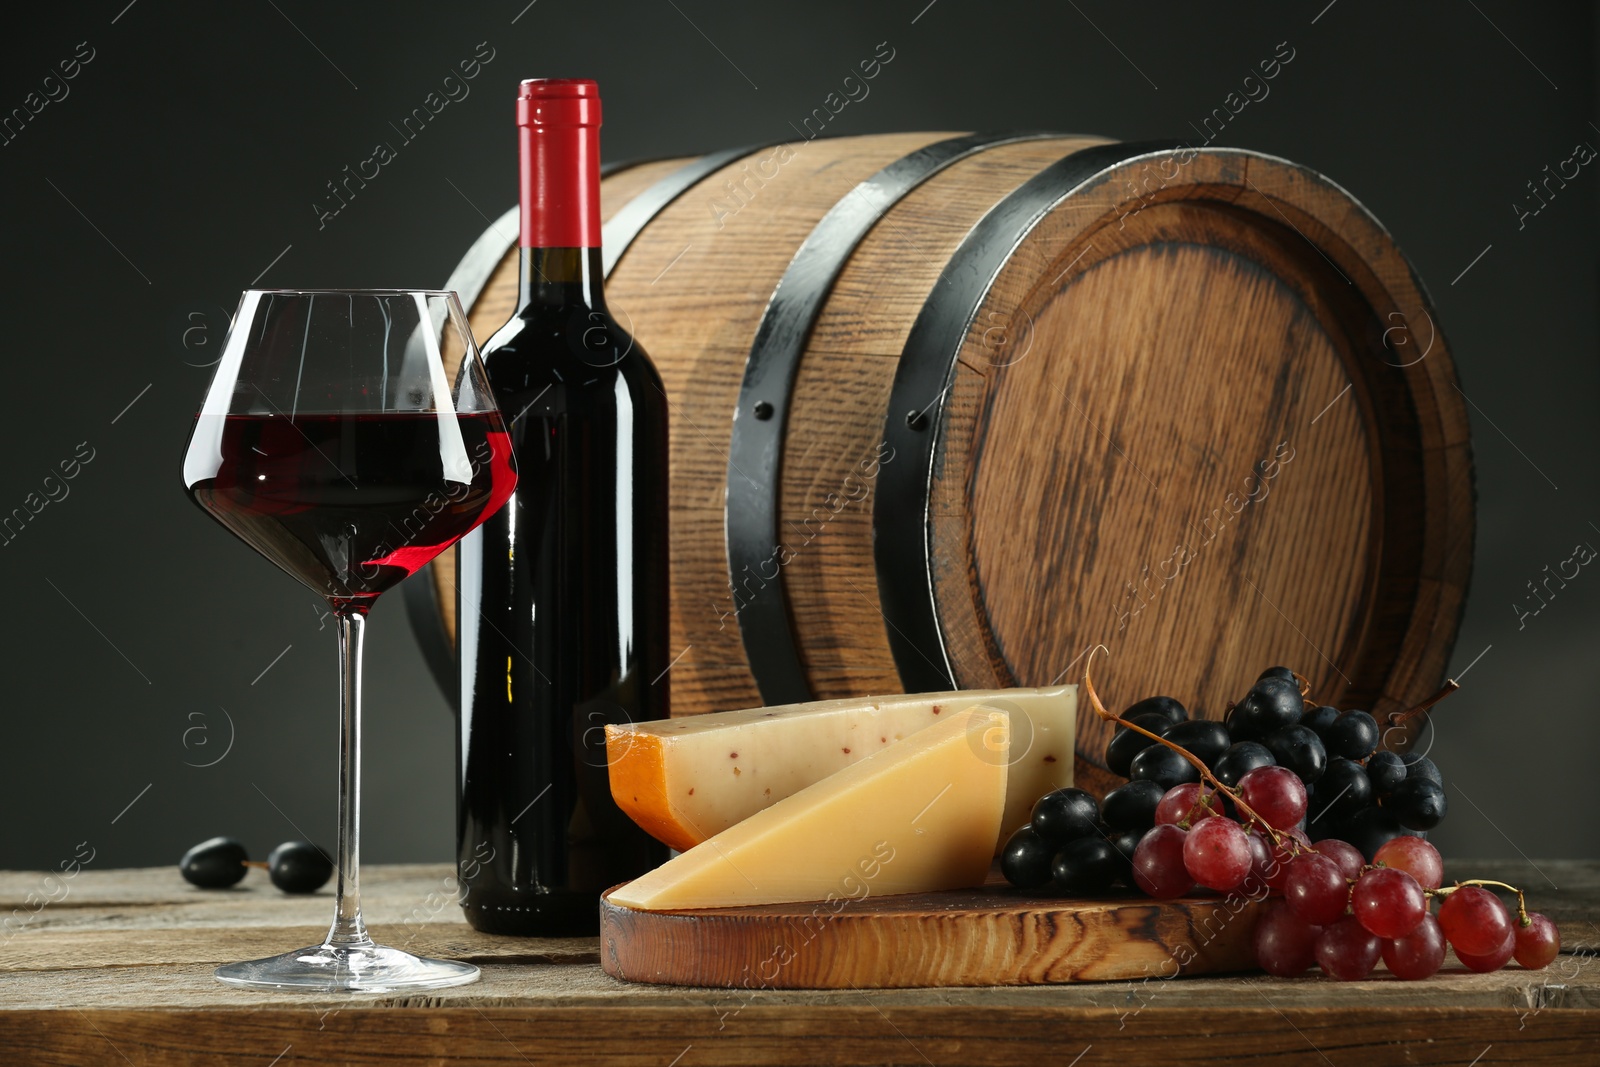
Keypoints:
pixel 994 935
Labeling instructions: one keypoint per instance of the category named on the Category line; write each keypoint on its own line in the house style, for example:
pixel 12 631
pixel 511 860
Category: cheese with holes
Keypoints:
pixel 916 816
pixel 686 779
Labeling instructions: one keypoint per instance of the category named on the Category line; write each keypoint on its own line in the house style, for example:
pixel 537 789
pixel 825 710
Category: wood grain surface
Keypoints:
pixel 975 937
pixel 1239 472
pixel 1149 350
pixel 118 971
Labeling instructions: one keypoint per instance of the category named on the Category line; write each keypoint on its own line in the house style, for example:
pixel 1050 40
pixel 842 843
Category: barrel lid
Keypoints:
pixel 1211 426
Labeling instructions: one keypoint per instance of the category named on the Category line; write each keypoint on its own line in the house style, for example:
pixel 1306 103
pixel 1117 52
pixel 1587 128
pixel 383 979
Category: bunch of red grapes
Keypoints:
pixel 1360 892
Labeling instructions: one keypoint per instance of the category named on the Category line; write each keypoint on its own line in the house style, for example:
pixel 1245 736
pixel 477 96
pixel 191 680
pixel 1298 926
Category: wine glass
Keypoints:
pixel 332 441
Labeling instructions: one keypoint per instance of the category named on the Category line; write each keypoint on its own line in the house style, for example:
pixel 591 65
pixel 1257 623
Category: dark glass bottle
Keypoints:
pixel 562 595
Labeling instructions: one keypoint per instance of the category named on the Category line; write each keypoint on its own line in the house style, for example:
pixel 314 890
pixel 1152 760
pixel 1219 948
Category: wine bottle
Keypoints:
pixel 562 595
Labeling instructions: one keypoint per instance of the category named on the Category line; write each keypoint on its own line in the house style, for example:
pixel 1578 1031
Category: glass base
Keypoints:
pixel 360 969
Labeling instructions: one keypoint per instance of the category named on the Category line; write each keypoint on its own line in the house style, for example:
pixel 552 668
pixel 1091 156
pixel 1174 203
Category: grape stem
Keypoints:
pixel 1202 802
pixel 1396 718
pixel 1522 903
pixel 1206 777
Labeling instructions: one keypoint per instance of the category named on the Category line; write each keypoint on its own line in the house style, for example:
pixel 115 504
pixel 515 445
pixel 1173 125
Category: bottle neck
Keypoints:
pixel 558 137
pixel 560 277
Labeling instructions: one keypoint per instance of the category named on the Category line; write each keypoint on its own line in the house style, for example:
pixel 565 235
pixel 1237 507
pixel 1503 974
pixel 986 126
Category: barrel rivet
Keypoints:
pixel 763 410
pixel 917 420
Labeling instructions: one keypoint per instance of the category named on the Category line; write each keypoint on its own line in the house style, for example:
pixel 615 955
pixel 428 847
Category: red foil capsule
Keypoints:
pixel 558 122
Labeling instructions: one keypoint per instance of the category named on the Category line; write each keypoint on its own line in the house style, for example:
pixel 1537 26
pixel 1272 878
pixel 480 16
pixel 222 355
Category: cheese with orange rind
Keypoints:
pixel 917 816
pixel 687 779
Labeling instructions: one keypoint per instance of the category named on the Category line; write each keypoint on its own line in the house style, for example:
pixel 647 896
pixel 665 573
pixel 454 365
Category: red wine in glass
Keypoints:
pixel 354 504
pixel 349 436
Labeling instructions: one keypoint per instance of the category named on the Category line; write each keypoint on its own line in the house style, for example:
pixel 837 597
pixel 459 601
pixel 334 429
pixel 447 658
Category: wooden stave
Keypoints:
pixel 845 346
pixel 1445 590
pixel 760 416
pixel 712 357
pixel 922 377
pixel 635 214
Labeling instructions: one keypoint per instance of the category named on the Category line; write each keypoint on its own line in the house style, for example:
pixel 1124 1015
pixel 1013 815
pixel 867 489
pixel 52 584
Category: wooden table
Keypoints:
pixel 118 970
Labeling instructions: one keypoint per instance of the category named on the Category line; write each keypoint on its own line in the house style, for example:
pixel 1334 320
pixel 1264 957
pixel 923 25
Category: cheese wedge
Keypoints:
pixel 919 815
pixel 685 779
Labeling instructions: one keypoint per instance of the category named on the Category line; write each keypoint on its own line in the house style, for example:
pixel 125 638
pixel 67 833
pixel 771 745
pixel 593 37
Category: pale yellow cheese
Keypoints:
pixel 686 779
pixel 919 815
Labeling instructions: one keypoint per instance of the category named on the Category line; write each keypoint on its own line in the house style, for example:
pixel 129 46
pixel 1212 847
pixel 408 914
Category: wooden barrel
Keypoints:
pixel 949 410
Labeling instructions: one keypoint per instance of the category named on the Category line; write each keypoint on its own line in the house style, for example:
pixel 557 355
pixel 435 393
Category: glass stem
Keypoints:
pixel 348 931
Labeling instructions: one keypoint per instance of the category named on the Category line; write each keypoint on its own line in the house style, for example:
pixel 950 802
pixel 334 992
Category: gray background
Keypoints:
pixel 189 152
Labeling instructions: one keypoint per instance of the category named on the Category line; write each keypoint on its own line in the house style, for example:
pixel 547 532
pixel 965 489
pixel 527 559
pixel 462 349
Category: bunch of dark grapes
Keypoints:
pixel 1297 803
